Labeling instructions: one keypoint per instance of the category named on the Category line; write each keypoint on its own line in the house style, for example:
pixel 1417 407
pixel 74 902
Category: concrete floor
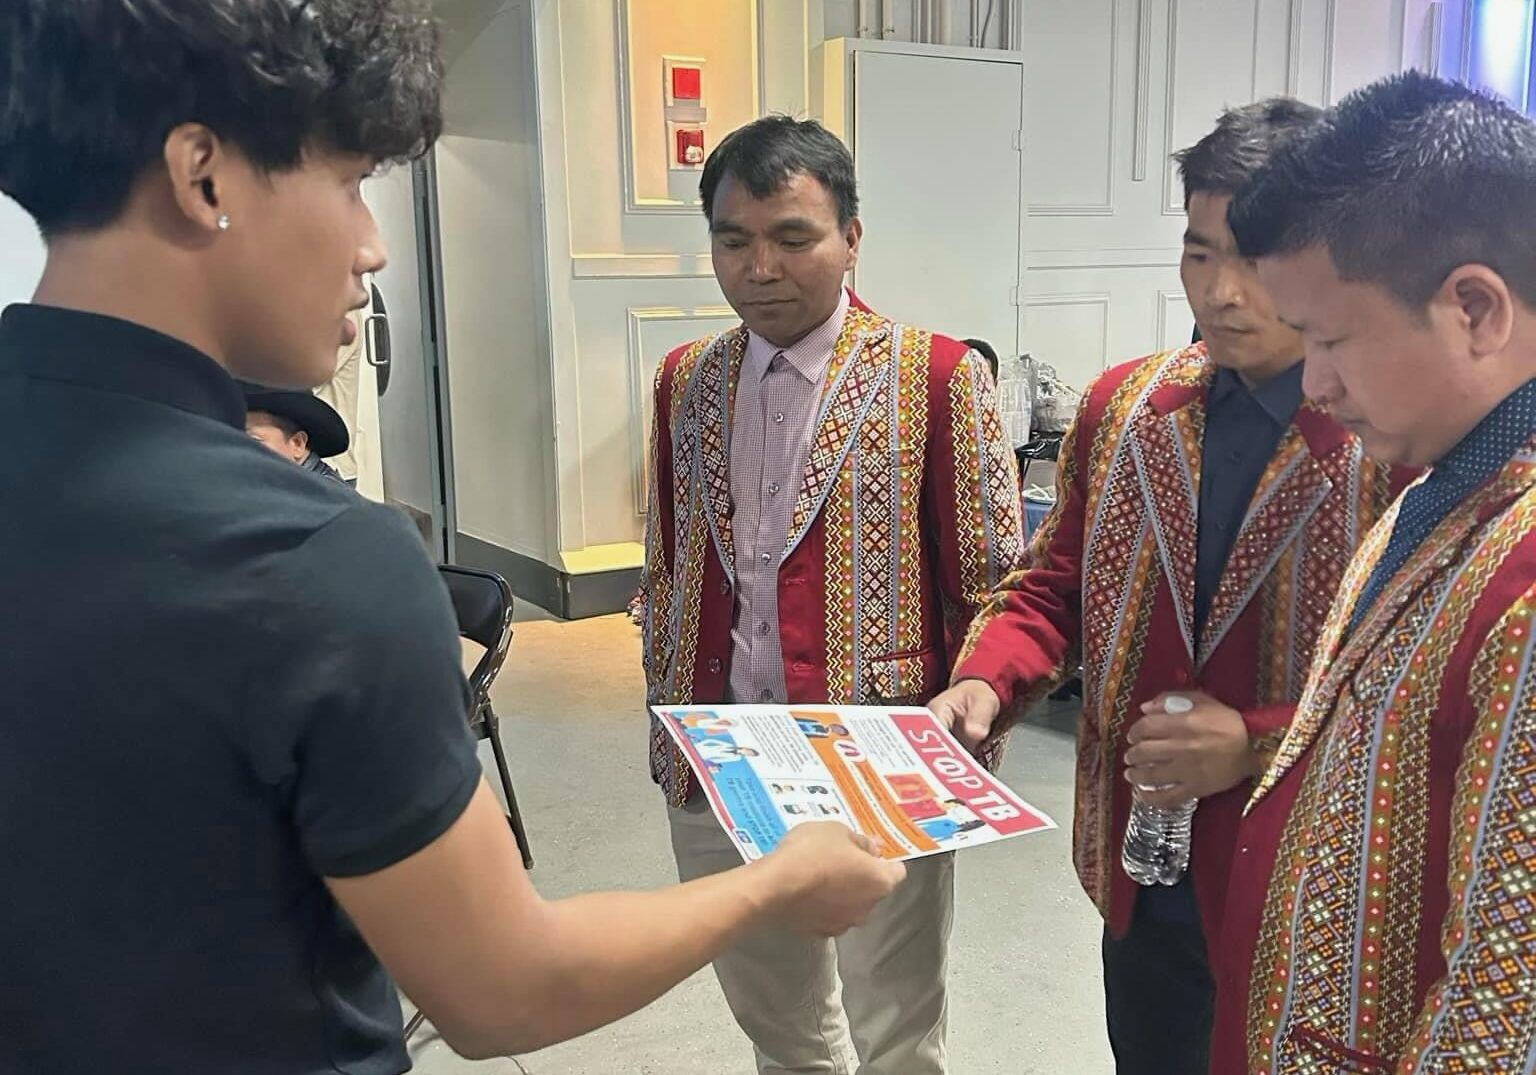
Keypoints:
pixel 1024 981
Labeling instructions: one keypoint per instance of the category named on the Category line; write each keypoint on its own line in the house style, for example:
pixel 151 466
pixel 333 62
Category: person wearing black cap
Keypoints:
pixel 298 426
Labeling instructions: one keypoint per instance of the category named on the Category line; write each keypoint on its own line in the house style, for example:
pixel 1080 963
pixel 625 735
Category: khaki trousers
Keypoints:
pixel 871 1003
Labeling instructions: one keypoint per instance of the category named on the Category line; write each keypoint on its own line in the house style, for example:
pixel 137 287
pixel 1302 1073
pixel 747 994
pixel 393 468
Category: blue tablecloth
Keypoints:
pixel 1035 512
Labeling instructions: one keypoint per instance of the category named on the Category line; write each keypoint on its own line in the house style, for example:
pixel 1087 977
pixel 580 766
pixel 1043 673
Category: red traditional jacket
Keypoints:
pixel 907 516
pixel 1111 578
pixel 1386 920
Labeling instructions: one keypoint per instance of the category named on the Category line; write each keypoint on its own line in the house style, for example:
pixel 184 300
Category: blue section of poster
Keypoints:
pixel 756 818
pixel 753 813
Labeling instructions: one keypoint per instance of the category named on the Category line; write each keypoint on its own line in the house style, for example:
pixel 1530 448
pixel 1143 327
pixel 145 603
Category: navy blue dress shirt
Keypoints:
pixel 1243 426
pixel 1476 458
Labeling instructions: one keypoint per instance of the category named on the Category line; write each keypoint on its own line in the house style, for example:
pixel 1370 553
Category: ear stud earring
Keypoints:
pixel 223 221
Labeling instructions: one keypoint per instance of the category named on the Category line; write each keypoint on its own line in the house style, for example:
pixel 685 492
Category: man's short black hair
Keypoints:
pixel 90 89
pixel 763 155
pixel 1226 160
pixel 1402 182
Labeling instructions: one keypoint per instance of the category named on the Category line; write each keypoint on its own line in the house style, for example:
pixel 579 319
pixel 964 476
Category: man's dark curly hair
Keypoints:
pixel 89 89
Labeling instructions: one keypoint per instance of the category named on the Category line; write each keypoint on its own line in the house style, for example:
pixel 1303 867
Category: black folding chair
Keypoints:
pixel 482 602
pixel 1046 446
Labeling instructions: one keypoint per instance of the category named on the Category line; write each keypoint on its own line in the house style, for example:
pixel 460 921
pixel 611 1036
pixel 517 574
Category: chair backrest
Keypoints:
pixel 482 602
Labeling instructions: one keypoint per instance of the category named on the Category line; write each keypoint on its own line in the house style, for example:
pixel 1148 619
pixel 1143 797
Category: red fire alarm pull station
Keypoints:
pixel 686 119
pixel 687 84
pixel 690 145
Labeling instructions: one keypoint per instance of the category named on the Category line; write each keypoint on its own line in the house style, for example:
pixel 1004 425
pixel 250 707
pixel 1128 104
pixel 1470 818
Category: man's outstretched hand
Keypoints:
pixel 829 878
pixel 968 710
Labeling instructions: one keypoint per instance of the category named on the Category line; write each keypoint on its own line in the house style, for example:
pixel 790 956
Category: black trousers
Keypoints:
pixel 1158 997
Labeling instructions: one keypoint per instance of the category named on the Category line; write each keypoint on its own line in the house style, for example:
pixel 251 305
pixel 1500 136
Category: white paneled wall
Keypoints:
pixel 626 281
pixel 1112 87
pixel 495 309
pixel 1115 87
pixel 594 288
pixel 21 254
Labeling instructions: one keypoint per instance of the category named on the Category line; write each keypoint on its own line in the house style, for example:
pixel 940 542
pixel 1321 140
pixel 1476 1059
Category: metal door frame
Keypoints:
pixel 434 348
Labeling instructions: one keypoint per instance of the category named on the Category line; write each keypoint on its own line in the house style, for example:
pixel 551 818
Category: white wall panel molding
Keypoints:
pixel 1293 48
pixel 631 81
pixel 1069 331
pixel 1173 202
pixel 1173 319
pixel 1065 175
pixel 1152 257
pixel 1142 134
pixel 642 266
pixel 653 332
pixel 1330 49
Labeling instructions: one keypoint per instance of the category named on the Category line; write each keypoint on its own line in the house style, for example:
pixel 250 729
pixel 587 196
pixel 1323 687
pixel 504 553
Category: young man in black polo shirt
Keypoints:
pixel 235 778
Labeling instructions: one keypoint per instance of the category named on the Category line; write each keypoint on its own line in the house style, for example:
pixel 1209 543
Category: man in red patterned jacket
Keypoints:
pixel 1385 924
pixel 1204 517
pixel 832 497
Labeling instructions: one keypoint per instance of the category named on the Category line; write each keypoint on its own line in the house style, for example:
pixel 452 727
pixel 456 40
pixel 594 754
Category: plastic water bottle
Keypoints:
pixel 1013 402
pixel 1156 848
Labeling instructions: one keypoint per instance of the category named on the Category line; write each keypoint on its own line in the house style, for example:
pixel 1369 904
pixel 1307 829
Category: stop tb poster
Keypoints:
pixel 895 775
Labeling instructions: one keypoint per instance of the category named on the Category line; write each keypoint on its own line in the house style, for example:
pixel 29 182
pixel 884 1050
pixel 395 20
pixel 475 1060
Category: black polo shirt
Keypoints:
pixel 222 678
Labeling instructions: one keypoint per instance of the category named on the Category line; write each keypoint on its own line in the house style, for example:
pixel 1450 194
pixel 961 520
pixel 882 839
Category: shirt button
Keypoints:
pixel 765 695
pixel 763 628
pixel 715 665
pixel 766 557
pixel 778 418
pixel 773 488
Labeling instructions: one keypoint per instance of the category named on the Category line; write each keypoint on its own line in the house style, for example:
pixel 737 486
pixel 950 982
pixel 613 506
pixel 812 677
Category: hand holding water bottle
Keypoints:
pixel 1155 850
pixel 1188 746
